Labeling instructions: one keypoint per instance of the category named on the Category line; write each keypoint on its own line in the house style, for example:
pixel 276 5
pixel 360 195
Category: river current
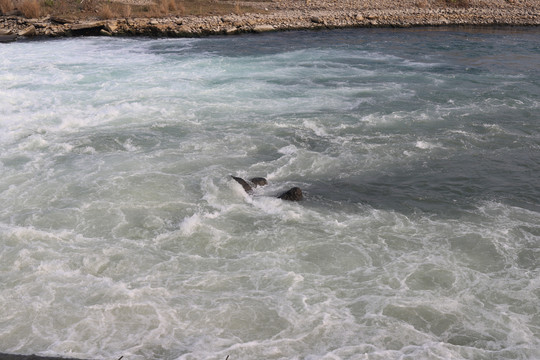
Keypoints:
pixel 418 152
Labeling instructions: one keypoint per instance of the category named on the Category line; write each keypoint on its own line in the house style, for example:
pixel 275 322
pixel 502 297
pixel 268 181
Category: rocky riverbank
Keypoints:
pixel 284 15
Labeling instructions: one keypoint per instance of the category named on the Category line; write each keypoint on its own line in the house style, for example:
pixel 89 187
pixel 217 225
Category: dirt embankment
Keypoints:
pixel 278 15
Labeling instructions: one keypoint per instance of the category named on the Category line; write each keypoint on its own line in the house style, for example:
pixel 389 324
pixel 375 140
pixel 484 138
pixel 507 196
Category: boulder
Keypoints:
pixel 256 181
pixel 293 194
pixel 28 31
pixel 244 184
pixel 60 20
pixel 111 27
pixel 259 181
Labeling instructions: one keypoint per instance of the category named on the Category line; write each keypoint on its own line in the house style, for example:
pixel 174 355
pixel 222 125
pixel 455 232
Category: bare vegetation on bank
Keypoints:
pixel 443 3
pixel 109 9
pixel 30 8
pixel 121 9
pixel 6 6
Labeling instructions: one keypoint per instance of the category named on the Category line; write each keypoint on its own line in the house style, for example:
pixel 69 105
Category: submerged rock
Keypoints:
pixel 293 194
pixel 259 181
pixel 256 181
pixel 244 184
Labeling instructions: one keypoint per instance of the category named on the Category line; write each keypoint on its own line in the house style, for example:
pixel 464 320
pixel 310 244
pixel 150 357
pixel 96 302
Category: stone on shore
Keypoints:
pixel 263 28
pixel 87 28
pixel 28 31
pixel 285 15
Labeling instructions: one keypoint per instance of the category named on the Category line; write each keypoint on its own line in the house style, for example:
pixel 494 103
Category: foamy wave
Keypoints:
pixel 425 145
pixel 190 224
pixel 288 150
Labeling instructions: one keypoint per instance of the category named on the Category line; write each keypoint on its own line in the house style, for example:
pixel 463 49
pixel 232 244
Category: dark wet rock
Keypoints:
pixel 244 184
pixel 8 38
pixel 87 28
pixel 259 181
pixel 256 181
pixel 293 194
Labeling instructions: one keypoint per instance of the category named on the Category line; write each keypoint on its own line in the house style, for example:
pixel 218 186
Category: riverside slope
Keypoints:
pixel 280 15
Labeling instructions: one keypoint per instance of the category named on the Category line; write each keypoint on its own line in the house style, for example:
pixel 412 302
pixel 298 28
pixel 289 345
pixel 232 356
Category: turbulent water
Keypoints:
pixel 418 151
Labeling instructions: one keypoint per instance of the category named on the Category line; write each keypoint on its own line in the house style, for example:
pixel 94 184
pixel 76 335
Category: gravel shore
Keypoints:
pixel 280 15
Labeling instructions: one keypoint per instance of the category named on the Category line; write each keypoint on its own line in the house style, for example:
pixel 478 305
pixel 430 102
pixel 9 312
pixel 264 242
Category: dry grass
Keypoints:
pixel 114 11
pixel 189 7
pixel 458 3
pixel 214 7
pixel 30 8
pixel 426 4
pixel 6 6
pixel 109 9
pixel 105 12
pixel 122 10
pixel 162 8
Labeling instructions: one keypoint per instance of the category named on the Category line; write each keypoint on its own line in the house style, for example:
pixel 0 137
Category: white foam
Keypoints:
pixel 123 233
pixel 317 129
pixel 288 150
pixel 425 145
pixel 190 224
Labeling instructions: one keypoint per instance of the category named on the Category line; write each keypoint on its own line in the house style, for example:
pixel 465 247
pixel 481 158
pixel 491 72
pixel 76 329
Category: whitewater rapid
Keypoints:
pixel 122 233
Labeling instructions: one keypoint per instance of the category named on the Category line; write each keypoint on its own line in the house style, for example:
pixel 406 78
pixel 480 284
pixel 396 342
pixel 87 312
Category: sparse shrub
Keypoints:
pixel 171 5
pixel 89 5
pixel 162 7
pixel 458 3
pixel 123 10
pixel 114 10
pixel 30 8
pixel 105 12
pixel 181 8
pixel 61 6
pixel 6 6
pixel 166 6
